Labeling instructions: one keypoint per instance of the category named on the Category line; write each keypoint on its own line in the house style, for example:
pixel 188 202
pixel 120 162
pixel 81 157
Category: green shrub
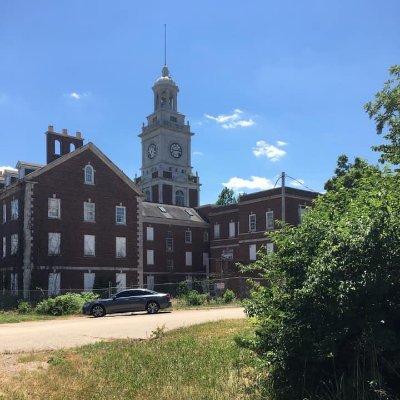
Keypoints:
pixel 229 296
pixel 69 303
pixel 194 298
pixel 24 307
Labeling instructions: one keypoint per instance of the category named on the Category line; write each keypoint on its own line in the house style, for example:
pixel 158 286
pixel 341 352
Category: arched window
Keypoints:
pixel 179 198
pixel 72 147
pixel 57 147
pixel 89 175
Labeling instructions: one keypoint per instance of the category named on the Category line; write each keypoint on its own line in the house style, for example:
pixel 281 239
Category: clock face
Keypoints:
pixel 175 150
pixel 152 151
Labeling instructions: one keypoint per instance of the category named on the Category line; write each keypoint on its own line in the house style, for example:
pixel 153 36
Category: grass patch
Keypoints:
pixel 198 362
pixel 7 317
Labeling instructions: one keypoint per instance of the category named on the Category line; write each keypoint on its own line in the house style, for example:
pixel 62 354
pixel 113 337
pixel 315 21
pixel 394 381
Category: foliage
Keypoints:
pixel 69 303
pixel 194 298
pixel 24 307
pixel 328 321
pixel 385 111
pixel 226 197
pixel 229 296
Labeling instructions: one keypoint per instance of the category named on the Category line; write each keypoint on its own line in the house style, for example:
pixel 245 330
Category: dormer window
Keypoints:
pixel 89 175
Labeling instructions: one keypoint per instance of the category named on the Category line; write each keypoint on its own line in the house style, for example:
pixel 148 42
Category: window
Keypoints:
pixel 270 248
pixel 147 194
pixel 54 208
pixel 252 223
pixel 57 147
pixel 120 280
pixel 54 283
pixel 89 245
pixel 162 209
pixel 169 244
pixel 188 236
pixel 188 258
pixel 252 252
pixel 150 257
pixel 216 231
pixel 88 281
pixel 231 229
pixel 14 209
pixel 120 215
pixel 150 233
pixel 54 244
pixel 205 236
pixel 4 246
pixel 89 175
pixel 14 284
pixel 179 198
pixel 189 212
pixel 269 220
pixel 150 284
pixel 302 211
pixel 170 265
pixel 14 244
pixel 120 247
pixel 205 260
pixel 89 212
pixel 4 213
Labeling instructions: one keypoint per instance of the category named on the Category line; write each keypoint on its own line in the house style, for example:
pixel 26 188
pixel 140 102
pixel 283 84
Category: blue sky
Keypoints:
pixel 267 86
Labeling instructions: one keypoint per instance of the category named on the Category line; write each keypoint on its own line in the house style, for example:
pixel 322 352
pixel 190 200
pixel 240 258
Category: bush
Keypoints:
pixel 229 296
pixel 194 298
pixel 69 303
pixel 24 307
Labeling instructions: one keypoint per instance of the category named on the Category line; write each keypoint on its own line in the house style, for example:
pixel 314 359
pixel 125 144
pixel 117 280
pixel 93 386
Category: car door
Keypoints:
pixel 120 302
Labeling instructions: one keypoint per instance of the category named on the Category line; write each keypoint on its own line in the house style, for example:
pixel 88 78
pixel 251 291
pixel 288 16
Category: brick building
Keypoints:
pixel 73 223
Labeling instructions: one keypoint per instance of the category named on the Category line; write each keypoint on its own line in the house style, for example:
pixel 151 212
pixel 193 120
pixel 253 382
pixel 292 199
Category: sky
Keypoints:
pixel 267 86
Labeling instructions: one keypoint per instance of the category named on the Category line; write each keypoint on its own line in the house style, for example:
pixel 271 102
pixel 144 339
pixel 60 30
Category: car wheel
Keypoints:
pixel 98 311
pixel 152 307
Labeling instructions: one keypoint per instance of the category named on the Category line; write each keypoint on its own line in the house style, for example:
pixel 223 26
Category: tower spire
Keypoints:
pixel 165 44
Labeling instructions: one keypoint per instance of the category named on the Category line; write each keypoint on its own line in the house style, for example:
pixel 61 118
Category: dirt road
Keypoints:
pixel 56 334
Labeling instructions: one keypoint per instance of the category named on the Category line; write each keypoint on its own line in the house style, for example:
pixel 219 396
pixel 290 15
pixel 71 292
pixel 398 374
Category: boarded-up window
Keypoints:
pixel 252 252
pixel 14 284
pixel 150 257
pixel 54 244
pixel 14 244
pixel 14 209
pixel 54 283
pixel 89 212
pixel 205 259
pixel 4 246
pixel 216 231
pixel 88 281
pixel 89 245
pixel 120 247
pixel 54 208
pixel 231 229
pixel 4 213
pixel 150 233
pixel 188 258
pixel 270 248
pixel 150 282
pixel 120 279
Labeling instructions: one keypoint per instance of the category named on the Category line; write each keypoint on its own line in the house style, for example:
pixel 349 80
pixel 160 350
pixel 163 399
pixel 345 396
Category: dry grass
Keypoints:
pixel 198 362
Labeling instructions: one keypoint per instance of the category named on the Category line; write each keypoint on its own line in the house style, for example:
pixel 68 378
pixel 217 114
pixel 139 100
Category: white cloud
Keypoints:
pixel 263 149
pixel 231 121
pixel 256 182
pixel 296 183
pixel 198 153
pixel 9 168
pixel 75 95
pixel 281 143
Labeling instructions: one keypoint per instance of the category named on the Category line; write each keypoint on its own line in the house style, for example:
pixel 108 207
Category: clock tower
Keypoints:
pixel 166 173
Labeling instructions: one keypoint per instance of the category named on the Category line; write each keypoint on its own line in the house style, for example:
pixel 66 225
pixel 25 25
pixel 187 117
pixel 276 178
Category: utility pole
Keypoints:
pixel 283 198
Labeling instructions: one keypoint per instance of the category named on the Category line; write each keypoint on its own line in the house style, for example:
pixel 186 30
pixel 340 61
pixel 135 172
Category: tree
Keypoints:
pixel 226 197
pixel 385 111
pixel 327 324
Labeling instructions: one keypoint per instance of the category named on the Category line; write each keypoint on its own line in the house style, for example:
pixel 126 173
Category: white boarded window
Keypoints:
pixel 120 279
pixel 4 213
pixel 14 283
pixel 216 231
pixel 205 259
pixel 89 175
pixel 14 209
pixel 150 257
pixel 120 247
pixel 150 233
pixel 89 212
pixel 252 223
pixel 188 258
pixel 252 252
pixel 14 244
pixel 54 244
pixel 269 220
pixel 120 215
pixel 231 229
pixel 54 283
pixel 188 236
pixel 88 281
pixel 4 246
pixel 54 208
pixel 270 248
pixel 150 282
pixel 89 245
pixel 302 211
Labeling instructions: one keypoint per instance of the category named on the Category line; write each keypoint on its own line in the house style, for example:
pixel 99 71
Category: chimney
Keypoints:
pixel 50 128
pixel 78 135
pixel 65 131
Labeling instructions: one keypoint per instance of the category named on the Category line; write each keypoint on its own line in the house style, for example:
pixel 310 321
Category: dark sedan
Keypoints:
pixel 127 301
